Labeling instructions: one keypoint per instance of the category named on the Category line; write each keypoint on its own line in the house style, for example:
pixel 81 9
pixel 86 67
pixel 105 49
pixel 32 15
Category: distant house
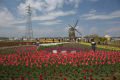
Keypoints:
pixel 13 38
pixel 3 38
pixel 115 38
pixel 108 37
pixel 88 38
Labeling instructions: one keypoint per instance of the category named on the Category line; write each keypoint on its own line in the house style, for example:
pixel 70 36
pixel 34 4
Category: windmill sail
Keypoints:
pixel 76 24
pixel 78 32
pixel 70 25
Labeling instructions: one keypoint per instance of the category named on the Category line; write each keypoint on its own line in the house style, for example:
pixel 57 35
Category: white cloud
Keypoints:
pixel 92 15
pixel 75 2
pixel 93 30
pixel 14 31
pixel 46 5
pixel 7 19
pixel 80 29
pixel 92 11
pixel 53 15
pixel 114 31
pixel 36 5
pixel 9 24
pixel 20 28
pixel 48 9
pixel 93 0
pixel 51 22
pixel 113 22
pixel 45 32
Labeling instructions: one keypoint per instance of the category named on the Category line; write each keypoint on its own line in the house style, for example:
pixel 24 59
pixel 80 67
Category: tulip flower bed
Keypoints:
pixel 68 49
pixel 26 63
pixel 2 44
pixel 16 50
pixel 104 47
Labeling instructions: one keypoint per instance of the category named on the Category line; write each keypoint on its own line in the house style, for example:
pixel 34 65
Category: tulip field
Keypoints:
pixel 4 44
pixel 69 63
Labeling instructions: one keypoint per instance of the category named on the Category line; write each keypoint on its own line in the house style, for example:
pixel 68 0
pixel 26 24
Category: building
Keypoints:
pixel 3 38
pixel 108 37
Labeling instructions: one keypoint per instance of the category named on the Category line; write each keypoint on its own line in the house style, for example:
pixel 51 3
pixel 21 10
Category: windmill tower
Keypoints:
pixel 72 30
pixel 29 31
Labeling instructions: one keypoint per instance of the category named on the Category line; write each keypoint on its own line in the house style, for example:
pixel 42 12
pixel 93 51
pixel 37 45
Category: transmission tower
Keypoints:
pixel 29 31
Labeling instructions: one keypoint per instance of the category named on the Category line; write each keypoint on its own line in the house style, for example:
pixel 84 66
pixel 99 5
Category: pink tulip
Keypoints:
pixel 57 66
pixel 46 65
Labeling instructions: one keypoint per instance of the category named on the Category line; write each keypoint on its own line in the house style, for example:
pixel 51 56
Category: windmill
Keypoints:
pixel 72 30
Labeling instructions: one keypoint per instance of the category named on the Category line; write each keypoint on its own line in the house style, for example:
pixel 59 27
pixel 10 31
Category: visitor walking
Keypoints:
pixel 37 43
pixel 53 40
pixel 93 44
pixel 59 40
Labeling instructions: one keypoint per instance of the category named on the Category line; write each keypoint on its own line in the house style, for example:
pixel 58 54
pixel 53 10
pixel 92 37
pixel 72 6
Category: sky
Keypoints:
pixel 50 18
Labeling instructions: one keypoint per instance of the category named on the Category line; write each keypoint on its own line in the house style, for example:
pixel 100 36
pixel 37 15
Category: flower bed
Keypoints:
pixel 68 49
pixel 104 47
pixel 2 44
pixel 26 63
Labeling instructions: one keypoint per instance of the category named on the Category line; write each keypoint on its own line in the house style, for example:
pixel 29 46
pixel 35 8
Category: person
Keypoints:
pixel 59 40
pixel 93 44
pixel 99 42
pixel 45 40
pixel 37 43
pixel 53 40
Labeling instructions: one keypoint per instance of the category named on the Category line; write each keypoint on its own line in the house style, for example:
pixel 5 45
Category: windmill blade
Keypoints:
pixel 76 24
pixel 78 32
pixel 69 25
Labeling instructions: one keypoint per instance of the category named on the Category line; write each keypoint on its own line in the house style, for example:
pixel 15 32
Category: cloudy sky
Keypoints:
pixel 51 17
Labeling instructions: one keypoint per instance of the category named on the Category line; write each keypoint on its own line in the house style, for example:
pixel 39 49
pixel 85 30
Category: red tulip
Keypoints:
pixel 54 70
pixel 22 78
pixel 114 78
pixel 28 72
pixel 60 75
pixel 40 76
pixel 84 77
pixel 107 79
pixel 96 68
pixel 91 78
pixel 84 71
pixel 75 72
pixel 112 70
pixel 91 70
pixel 45 72
pixel 13 78
pixel 65 78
